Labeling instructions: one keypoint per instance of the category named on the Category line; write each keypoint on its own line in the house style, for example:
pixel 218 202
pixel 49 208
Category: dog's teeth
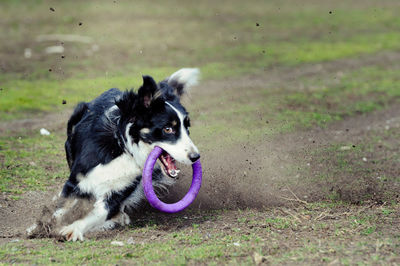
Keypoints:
pixel 174 173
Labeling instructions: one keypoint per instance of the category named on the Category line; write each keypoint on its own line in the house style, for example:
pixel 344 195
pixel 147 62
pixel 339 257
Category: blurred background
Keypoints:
pixel 283 105
pixel 297 118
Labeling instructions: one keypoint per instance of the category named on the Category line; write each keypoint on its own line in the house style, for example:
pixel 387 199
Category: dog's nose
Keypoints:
pixel 194 156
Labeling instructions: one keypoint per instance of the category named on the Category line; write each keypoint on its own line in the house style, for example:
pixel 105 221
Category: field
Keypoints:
pixel 297 117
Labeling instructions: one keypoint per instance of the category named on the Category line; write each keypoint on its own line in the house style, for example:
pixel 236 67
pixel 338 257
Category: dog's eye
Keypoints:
pixel 169 130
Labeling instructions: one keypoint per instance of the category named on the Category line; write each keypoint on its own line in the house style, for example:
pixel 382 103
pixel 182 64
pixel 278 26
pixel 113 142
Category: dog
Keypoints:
pixel 108 142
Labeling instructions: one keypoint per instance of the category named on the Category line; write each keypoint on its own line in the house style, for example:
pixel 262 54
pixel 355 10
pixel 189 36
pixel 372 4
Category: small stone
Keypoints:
pixel 345 148
pixel 30 229
pixel 44 132
pixel 55 49
pixel 131 241
pixel 236 244
pixel 117 243
pixel 28 53
pixel 364 159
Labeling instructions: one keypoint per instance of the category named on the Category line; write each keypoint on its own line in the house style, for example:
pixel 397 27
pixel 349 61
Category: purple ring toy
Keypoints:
pixel 149 190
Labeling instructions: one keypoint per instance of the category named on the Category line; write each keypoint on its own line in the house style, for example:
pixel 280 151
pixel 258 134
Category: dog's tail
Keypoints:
pixel 183 79
pixel 76 117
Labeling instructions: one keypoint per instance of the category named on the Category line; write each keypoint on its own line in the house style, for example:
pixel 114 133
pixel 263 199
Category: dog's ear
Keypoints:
pixel 182 80
pixel 148 92
pixel 127 102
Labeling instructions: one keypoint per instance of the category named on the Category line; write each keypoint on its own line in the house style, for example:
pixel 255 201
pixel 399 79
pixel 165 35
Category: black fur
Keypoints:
pixel 79 111
pixel 114 201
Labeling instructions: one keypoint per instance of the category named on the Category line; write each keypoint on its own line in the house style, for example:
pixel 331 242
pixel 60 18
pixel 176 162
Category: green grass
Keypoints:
pixel 221 38
pixel 299 51
pixel 178 250
pixel 280 223
pixel 352 233
pixel 21 97
pixel 31 161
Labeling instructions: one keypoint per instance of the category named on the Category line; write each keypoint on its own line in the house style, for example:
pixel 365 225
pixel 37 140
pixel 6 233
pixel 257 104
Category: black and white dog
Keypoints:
pixel 108 142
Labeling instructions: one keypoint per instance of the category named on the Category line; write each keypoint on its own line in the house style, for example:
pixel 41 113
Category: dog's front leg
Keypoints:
pixel 77 229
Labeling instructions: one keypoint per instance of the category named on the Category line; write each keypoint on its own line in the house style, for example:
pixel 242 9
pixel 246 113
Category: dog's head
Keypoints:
pixel 155 117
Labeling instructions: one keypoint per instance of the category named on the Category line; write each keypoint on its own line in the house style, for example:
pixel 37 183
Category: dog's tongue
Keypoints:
pixel 169 164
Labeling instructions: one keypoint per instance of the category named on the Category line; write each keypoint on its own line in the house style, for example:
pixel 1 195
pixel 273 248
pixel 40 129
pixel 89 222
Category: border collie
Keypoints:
pixel 108 141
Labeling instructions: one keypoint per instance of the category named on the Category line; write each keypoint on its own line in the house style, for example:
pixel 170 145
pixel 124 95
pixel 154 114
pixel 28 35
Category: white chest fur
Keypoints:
pixel 114 176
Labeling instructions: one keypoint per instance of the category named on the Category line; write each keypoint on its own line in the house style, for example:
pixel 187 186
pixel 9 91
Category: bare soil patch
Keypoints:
pixel 18 215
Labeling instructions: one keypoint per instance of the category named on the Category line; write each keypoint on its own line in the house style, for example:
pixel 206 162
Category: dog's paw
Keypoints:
pixel 72 232
pixel 108 225
pixel 124 219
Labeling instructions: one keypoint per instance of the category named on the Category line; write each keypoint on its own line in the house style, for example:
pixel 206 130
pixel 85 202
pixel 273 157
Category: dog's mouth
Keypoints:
pixel 169 166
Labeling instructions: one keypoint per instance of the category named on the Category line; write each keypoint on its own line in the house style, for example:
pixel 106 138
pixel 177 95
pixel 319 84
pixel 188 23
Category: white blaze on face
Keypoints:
pixel 180 150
